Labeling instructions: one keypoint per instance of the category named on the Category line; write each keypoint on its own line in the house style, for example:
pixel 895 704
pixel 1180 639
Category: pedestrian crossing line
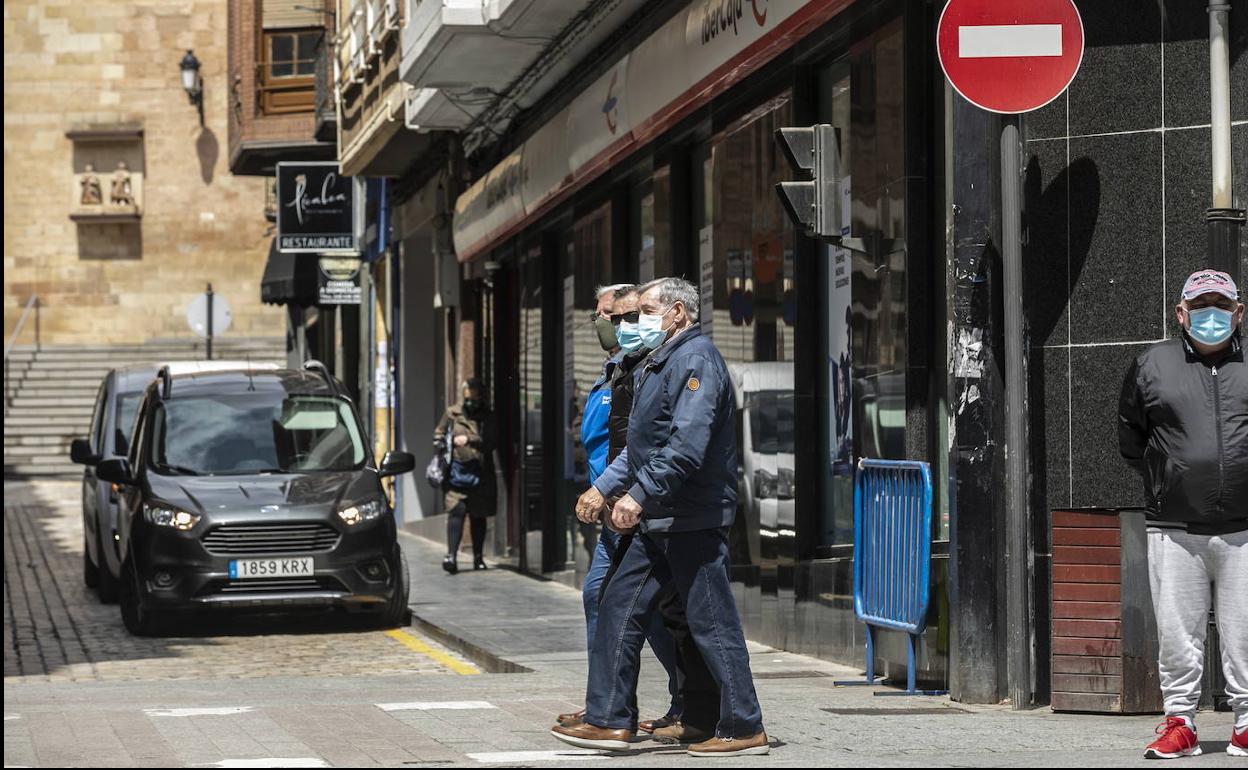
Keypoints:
pixel 462 705
pixel 199 712
pixel 268 762
pixel 416 645
pixel 11 717
pixel 519 757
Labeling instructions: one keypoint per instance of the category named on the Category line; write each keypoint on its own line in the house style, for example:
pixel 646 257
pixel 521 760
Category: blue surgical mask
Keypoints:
pixel 629 336
pixel 651 329
pixel 1211 325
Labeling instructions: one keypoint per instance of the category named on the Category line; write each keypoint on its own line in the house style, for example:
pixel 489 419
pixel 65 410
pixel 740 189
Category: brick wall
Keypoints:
pixel 69 63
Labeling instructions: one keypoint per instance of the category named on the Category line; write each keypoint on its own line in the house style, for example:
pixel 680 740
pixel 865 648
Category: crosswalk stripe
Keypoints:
pixel 462 705
pixel 268 762
pixel 518 757
pixel 416 645
pixel 198 712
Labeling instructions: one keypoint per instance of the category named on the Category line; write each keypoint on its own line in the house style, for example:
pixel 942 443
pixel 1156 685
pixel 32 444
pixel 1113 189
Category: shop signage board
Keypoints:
pixel 338 281
pixel 698 51
pixel 316 209
pixel 1010 56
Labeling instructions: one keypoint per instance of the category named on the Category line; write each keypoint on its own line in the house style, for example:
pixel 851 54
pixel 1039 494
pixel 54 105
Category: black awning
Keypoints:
pixel 289 279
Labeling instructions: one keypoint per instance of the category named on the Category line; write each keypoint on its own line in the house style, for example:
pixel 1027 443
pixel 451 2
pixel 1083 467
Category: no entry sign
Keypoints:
pixel 1010 55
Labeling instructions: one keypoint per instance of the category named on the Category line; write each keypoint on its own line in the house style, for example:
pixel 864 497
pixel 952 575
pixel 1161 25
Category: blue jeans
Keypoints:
pixel 661 642
pixel 697 563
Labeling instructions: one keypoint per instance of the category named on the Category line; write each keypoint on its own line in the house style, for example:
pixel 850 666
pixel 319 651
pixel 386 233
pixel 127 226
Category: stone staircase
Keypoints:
pixel 49 393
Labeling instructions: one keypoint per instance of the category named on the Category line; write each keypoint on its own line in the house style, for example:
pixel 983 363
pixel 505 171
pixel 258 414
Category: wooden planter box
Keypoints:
pixel 1104 643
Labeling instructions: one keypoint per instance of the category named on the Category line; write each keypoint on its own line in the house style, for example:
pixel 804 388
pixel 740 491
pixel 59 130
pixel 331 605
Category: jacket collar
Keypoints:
pixel 1235 350
pixel 660 356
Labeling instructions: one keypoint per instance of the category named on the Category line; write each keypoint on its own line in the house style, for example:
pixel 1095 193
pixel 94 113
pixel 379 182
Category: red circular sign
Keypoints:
pixel 1010 55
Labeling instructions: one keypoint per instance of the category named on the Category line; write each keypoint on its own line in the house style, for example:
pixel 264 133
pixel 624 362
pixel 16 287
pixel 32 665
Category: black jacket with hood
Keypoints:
pixel 1183 424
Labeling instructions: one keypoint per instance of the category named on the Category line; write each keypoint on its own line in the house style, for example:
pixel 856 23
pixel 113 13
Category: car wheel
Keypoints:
pixel 106 585
pixel 90 572
pixel 138 620
pixel 396 612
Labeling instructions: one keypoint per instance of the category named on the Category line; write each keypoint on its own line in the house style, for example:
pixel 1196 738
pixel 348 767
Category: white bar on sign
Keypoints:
pixel 993 41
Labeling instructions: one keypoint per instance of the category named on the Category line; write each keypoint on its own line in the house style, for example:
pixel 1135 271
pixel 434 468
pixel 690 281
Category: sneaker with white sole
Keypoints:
pixel 1238 747
pixel 1177 739
pixel 731 747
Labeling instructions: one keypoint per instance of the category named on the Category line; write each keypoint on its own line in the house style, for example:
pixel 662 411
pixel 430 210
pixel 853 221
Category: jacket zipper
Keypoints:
pixel 1217 427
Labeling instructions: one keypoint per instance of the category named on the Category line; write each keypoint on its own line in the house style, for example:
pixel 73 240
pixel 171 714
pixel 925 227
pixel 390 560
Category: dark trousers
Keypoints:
pixel 455 530
pixel 696 565
pixel 698 701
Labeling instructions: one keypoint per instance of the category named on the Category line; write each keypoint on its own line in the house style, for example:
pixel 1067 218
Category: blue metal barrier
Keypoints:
pixel 893 555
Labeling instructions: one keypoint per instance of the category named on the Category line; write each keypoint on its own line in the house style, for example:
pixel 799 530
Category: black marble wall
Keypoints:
pixel 1117 182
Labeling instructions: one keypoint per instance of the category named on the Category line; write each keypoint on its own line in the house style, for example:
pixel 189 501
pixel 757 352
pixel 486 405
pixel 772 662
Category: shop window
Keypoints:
pixel 288 70
pixel 531 392
pixel 863 385
pixel 749 307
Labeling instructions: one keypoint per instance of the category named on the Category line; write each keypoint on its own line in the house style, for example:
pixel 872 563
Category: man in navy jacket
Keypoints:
pixel 678 481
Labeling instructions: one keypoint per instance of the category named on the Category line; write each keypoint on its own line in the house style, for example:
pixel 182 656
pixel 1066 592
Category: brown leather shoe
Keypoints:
pixel 574 717
pixel 651 725
pixel 681 733
pixel 588 736
pixel 731 747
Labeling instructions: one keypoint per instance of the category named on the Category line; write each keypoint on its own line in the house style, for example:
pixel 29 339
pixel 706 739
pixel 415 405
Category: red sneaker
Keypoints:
pixel 1238 747
pixel 1177 740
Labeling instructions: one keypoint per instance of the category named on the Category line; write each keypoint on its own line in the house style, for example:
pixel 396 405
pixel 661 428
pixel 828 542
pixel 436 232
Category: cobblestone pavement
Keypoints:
pixel 83 693
pixel 57 630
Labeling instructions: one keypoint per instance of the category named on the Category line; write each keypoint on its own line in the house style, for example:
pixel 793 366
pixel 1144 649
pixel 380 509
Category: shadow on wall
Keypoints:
pixel 209 150
pixel 1060 221
pixel 110 241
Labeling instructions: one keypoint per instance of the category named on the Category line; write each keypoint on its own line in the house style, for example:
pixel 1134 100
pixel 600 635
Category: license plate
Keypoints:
pixel 241 569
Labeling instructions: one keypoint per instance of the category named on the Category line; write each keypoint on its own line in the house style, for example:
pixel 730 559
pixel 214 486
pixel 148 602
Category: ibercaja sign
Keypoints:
pixel 315 208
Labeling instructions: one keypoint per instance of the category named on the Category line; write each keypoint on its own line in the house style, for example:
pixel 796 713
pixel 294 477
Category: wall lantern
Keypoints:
pixel 192 83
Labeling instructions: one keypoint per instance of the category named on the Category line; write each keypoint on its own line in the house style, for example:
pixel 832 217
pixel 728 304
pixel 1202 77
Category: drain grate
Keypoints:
pixel 883 712
pixel 790 674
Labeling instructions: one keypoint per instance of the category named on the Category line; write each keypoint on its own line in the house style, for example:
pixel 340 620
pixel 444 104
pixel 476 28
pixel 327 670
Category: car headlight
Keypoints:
pixel 162 516
pixel 359 512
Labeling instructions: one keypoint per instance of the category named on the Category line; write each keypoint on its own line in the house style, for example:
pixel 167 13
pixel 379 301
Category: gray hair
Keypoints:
pixel 673 290
pixel 614 289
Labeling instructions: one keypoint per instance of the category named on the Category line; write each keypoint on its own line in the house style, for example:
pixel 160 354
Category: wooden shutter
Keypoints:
pixel 289 14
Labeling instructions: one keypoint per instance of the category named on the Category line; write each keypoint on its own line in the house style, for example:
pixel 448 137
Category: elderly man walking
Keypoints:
pixel 1183 424
pixel 677 482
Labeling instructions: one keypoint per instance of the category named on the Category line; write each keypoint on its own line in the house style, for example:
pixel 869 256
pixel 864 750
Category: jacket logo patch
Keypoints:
pixel 694 384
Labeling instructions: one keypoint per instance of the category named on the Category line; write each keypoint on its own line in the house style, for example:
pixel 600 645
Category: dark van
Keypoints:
pixel 254 490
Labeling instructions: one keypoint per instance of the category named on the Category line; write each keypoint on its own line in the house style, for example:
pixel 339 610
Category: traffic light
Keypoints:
pixel 814 205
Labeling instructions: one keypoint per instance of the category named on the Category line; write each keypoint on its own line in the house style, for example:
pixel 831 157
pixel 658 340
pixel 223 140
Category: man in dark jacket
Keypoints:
pixel 678 481
pixel 1183 424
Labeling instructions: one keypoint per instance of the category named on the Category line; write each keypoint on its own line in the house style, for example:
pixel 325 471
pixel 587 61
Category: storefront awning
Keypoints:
pixel 289 279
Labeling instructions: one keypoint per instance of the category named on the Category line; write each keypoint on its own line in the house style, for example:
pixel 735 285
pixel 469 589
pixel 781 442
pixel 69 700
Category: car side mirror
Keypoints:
pixel 395 463
pixel 116 470
pixel 80 452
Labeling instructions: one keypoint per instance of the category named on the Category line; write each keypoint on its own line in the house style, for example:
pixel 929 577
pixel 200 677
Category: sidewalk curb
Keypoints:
pixel 483 658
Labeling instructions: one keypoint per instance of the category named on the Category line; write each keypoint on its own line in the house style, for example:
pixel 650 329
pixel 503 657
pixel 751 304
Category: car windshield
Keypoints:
pixel 255 433
pixel 771 421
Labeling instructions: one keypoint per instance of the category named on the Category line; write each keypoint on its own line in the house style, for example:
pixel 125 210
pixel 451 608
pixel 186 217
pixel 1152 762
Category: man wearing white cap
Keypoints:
pixel 1183 424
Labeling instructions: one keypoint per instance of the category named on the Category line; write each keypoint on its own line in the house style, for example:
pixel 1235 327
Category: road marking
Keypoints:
pixel 460 705
pixel 991 41
pixel 9 718
pixel 201 712
pixel 416 645
pixel 519 757
pixel 268 762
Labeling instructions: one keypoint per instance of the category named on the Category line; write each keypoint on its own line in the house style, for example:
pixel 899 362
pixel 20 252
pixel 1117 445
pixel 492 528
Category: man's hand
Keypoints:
pixel 589 506
pixel 626 514
pixel 461 441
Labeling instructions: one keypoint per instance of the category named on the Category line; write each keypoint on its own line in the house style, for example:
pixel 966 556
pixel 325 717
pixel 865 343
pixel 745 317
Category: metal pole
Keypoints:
pixel 209 295
pixel 1018 558
pixel 1224 220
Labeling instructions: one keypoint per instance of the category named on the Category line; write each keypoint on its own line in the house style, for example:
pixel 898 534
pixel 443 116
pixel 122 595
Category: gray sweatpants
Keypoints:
pixel 1186 572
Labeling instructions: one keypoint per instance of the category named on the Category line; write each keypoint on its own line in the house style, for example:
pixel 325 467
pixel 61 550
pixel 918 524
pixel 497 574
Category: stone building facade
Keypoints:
pixel 99 84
